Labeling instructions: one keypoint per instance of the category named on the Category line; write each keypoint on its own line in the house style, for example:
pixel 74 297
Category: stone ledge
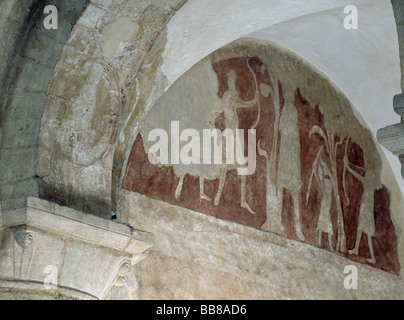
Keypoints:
pixel 398 104
pixel 392 138
pixel 24 290
pixel 80 253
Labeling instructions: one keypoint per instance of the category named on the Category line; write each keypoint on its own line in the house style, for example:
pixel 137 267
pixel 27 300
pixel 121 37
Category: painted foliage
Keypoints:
pixel 315 181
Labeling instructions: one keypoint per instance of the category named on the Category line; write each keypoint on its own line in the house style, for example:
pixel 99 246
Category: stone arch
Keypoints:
pixel 89 96
pixel 29 55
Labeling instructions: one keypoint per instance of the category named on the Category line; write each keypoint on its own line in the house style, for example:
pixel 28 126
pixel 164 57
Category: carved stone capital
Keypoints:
pixel 49 251
pixel 398 104
pixel 392 138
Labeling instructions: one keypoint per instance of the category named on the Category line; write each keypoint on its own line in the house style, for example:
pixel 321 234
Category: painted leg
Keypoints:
pixel 202 194
pixel 179 188
pixel 330 241
pixel 343 236
pixel 343 244
pixel 355 251
pixel 244 203
pixel 298 229
pixel 338 239
pixel 319 238
pixel 222 180
pixel 372 260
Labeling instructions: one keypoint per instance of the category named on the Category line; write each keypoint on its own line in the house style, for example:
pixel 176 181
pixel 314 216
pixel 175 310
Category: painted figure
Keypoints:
pixel 366 214
pixel 324 224
pixel 230 103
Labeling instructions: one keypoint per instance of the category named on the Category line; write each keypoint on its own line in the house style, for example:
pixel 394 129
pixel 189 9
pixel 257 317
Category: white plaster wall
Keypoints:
pixel 363 63
pixel 203 26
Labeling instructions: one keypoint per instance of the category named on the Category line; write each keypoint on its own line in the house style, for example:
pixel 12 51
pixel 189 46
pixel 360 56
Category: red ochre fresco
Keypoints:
pixel 160 182
pixel 350 194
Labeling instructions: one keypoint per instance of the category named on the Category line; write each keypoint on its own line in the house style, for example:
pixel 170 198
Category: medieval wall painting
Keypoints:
pixel 317 171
